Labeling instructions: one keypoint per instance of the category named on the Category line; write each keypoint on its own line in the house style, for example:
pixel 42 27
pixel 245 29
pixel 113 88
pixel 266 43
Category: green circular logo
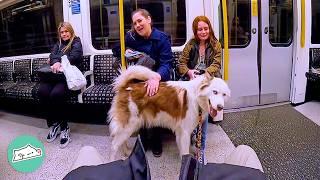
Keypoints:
pixel 26 153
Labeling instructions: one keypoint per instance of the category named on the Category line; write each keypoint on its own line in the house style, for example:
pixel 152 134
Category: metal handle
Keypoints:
pixel 266 30
pixel 254 30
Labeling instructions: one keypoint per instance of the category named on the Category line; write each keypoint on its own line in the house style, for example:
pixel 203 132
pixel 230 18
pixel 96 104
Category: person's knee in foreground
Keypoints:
pixel 155 43
pixel 244 155
pixel 201 54
pixel 53 93
pixel 88 156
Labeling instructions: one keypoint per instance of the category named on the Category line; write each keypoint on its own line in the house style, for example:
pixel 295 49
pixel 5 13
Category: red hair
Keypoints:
pixel 212 39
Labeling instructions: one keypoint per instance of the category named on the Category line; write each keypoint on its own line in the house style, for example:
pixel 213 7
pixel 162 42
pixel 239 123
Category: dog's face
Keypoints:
pixel 212 94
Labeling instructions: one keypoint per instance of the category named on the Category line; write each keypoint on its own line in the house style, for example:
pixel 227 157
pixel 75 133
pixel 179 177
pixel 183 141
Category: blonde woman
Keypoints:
pixel 53 92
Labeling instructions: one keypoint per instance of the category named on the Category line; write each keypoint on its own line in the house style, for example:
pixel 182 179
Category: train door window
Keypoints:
pixel 167 15
pixel 239 19
pixel 315 35
pixel 29 27
pixel 280 22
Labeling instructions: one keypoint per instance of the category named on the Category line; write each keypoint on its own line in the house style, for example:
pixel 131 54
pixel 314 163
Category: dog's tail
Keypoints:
pixel 132 73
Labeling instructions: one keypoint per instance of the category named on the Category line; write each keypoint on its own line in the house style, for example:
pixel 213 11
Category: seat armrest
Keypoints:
pixel 87 73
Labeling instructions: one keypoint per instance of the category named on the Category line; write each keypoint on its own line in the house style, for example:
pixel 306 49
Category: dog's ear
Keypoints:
pixel 203 102
pixel 206 82
pixel 228 92
pixel 203 85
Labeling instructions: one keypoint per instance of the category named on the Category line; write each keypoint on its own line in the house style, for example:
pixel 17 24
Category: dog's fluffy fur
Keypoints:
pixel 176 105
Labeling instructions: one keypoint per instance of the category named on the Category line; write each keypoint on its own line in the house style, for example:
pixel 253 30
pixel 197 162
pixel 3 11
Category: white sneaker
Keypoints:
pixel 65 138
pixel 54 131
pixel 315 70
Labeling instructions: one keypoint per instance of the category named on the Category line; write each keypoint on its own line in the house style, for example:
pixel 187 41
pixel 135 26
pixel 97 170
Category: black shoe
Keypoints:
pixel 54 131
pixel 144 139
pixel 156 148
pixel 65 138
pixel 210 120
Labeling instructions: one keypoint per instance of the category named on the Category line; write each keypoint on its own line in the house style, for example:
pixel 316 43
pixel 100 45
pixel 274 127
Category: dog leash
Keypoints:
pixel 199 134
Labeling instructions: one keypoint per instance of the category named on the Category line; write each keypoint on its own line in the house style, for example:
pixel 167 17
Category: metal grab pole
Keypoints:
pixel 303 23
pixel 122 43
pixel 225 41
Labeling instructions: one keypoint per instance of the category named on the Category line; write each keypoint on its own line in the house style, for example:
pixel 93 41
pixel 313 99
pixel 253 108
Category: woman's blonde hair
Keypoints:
pixel 70 30
pixel 212 39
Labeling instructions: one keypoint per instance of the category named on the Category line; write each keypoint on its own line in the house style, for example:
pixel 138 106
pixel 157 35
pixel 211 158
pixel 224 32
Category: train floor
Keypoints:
pixel 286 140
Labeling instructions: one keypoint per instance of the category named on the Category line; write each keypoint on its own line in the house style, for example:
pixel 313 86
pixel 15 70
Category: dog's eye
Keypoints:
pixel 224 94
pixel 215 92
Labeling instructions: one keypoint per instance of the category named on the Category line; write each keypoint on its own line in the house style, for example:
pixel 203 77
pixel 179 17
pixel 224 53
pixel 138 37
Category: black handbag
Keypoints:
pixel 139 58
pixel 146 61
pixel 46 75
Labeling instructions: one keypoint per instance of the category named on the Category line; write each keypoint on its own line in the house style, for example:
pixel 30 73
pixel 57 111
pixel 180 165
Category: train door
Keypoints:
pixel 243 45
pixel 260 51
pixel 73 10
pixel 276 50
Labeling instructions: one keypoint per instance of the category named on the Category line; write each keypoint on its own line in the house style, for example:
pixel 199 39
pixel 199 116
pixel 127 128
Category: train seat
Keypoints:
pixel 175 75
pixel 6 77
pixel 19 80
pixel 22 89
pixel 100 91
pixel 314 72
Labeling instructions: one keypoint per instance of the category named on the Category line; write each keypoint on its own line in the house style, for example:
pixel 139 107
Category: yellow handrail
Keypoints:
pixel 303 23
pixel 225 42
pixel 122 43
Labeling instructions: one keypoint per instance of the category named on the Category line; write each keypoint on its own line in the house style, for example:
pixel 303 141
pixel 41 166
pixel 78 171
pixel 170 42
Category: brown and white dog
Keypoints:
pixel 176 105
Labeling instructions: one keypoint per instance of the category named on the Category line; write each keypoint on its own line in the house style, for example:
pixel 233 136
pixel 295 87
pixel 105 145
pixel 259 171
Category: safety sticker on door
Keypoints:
pixel 75 6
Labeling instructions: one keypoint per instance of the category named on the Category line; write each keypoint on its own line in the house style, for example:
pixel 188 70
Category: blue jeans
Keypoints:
pixel 204 133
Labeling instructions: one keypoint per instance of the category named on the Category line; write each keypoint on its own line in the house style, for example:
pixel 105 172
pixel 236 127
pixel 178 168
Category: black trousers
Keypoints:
pixel 52 97
pixel 152 138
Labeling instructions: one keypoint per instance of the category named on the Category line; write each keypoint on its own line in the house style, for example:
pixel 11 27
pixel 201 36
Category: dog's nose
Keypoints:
pixel 219 107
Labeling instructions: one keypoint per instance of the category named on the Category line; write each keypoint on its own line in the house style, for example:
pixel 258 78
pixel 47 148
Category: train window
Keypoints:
pixel 315 35
pixel 29 27
pixel 280 22
pixel 165 14
pixel 239 19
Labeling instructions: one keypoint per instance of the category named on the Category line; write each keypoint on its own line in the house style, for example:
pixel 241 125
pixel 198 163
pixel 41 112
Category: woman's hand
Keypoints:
pixel 192 73
pixel 129 51
pixel 152 85
pixel 56 67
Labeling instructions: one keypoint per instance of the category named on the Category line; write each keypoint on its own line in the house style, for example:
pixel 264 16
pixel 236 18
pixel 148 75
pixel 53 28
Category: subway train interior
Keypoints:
pixel 270 60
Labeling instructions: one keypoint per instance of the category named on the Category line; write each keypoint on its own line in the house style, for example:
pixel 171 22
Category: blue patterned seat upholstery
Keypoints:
pixel 36 64
pixel 6 77
pixel 175 64
pixel 22 90
pixel 27 80
pixel 85 64
pixel 101 91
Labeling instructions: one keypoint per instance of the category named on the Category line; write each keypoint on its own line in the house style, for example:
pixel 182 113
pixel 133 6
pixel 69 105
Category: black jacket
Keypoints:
pixel 74 54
